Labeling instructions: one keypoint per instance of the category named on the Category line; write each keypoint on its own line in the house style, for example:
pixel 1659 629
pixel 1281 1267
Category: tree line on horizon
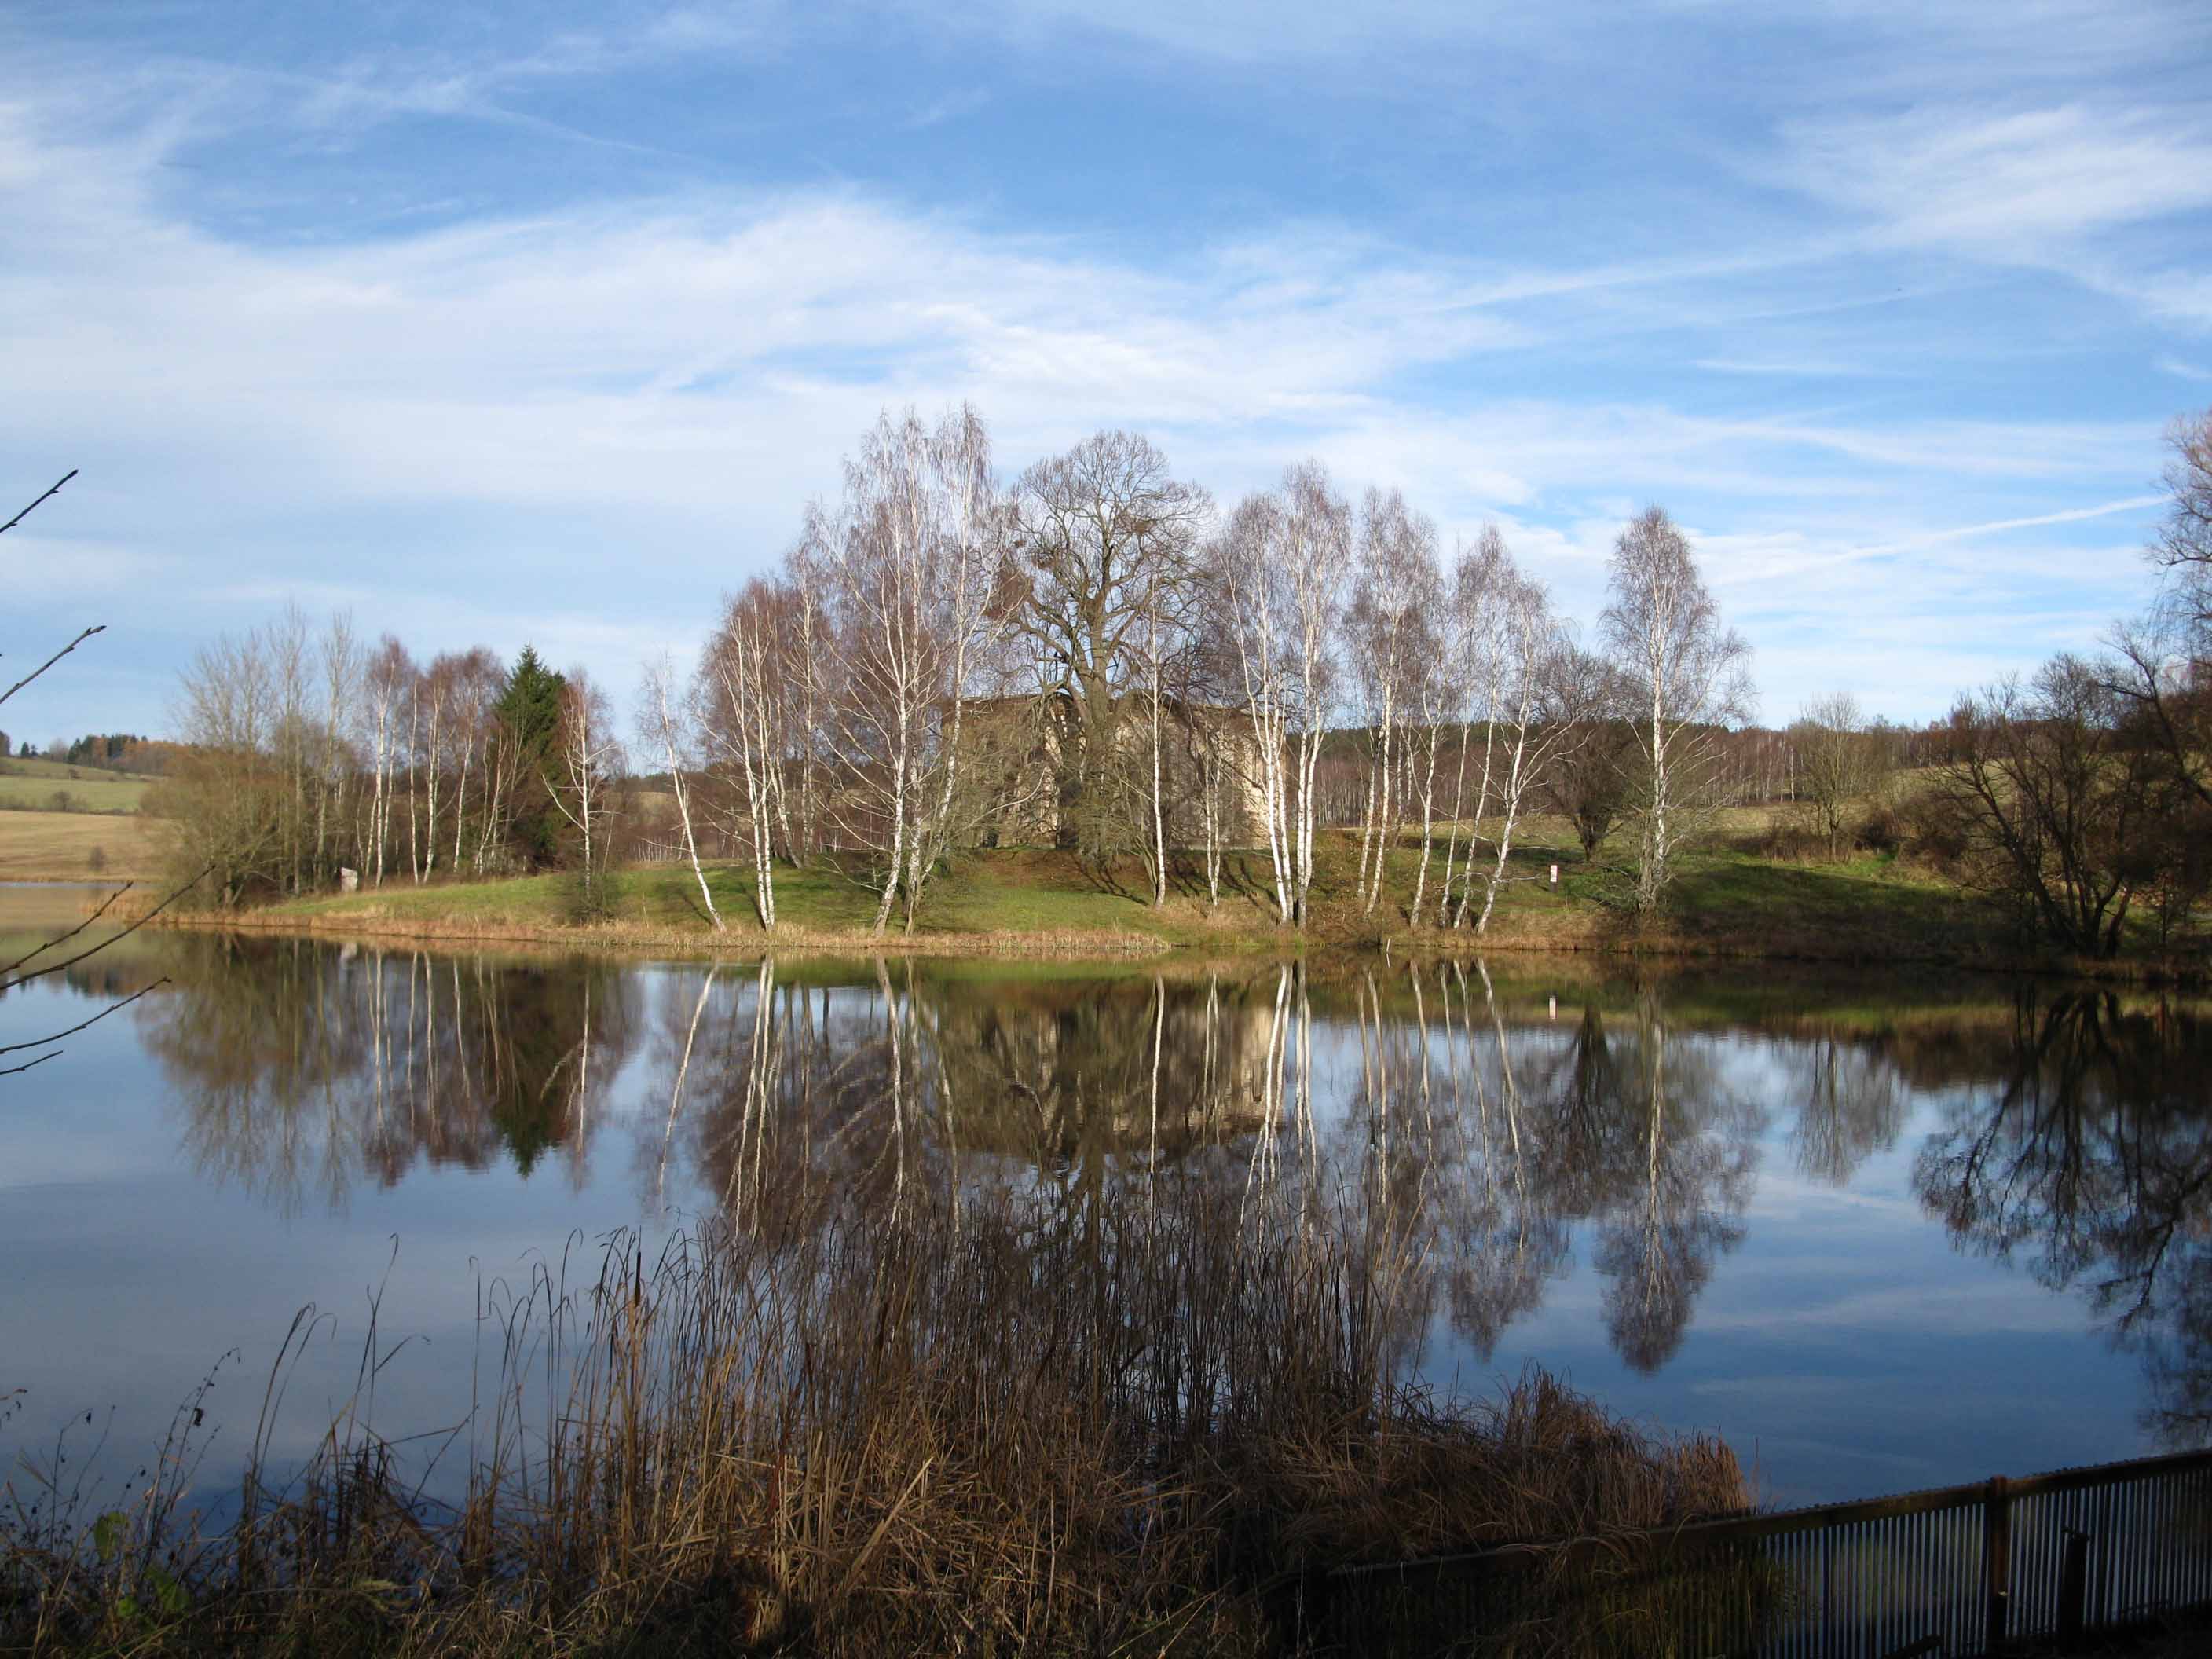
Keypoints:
pixel 1093 655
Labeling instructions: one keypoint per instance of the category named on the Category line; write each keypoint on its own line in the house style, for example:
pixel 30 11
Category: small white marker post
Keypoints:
pixel 1555 875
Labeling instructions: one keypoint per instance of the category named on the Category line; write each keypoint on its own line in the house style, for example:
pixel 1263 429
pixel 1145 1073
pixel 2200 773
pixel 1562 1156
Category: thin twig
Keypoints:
pixel 125 933
pixel 25 513
pixel 97 628
pixel 41 1043
pixel 63 938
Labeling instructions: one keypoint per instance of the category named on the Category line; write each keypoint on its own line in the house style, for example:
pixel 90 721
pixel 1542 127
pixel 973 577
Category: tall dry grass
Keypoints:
pixel 838 1431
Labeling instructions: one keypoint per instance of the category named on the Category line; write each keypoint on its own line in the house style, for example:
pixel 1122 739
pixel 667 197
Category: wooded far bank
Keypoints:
pixel 1203 713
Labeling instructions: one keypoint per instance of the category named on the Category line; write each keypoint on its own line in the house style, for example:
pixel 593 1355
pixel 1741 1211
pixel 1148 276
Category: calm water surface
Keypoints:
pixel 1879 1235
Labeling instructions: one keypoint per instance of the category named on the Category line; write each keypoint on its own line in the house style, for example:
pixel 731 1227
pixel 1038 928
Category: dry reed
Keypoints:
pixel 828 1423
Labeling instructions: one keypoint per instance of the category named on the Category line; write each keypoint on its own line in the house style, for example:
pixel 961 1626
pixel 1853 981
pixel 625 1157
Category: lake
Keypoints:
pixel 1876 1232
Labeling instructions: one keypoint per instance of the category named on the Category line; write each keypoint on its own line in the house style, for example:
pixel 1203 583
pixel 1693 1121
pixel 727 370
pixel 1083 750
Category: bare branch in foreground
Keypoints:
pixel 26 512
pixel 41 1043
pixel 97 628
pixel 96 949
pixel 105 905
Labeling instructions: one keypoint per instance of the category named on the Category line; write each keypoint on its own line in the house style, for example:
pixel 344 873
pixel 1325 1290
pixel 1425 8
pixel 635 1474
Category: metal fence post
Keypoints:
pixel 2073 1584
pixel 1997 1563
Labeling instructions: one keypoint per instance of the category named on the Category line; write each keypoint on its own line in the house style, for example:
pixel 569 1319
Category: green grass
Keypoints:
pixel 90 792
pixel 1026 893
pixel 1727 901
pixel 1724 903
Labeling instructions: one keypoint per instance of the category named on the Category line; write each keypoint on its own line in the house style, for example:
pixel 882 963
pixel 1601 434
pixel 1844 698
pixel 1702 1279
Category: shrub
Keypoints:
pixel 1883 829
pixel 1788 838
pixel 1936 828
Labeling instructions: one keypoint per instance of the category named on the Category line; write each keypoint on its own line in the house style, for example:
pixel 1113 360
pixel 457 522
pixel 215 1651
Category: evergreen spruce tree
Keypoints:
pixel 529 715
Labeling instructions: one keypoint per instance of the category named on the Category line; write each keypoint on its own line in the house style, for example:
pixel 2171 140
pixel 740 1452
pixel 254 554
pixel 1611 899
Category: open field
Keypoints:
pixel 59 846
pixel 38 766
pixel 90 794
pixel 33 782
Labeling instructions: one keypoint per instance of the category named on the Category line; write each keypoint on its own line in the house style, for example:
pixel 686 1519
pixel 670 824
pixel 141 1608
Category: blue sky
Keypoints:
pixel 542 322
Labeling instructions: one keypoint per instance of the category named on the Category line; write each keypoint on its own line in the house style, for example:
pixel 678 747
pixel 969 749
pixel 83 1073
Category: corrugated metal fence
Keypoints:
pixel 1959 1571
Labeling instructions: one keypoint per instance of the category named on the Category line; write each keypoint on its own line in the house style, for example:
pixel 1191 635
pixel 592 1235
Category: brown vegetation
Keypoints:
pixel 60 847
pixel 912 1425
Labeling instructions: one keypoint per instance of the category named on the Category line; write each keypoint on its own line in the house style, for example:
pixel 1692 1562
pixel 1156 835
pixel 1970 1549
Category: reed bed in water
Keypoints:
pixel 968 1424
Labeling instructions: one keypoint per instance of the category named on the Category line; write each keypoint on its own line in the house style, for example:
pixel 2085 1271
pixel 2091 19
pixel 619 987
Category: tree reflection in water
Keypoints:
pixel 1449 1148
pixel 303 1068
pixel 2078 1140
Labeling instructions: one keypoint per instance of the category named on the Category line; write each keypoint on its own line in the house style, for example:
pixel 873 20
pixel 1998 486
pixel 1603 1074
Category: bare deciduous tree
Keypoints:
pixel 1390 628
pixel 1107 545
pixel 591 755
pixel 2058 802
pixel 1839 763
pixel 1281 571
pixel 667 732
pixel 738 697
pixel 2164 666
pixel 1533 710
pixel 2185 535
pixel 1477 572
pixel 1692 677
pixel 916 552
pixel 391 673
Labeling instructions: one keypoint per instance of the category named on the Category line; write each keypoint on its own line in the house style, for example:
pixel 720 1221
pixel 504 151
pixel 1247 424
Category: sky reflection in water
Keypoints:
pixel 1877 1241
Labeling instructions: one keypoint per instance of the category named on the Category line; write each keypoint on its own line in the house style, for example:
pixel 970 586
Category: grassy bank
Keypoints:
pixel 827 1423
pixel 1726 903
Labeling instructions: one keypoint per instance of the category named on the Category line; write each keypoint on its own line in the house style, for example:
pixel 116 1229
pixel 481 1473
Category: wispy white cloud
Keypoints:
pixel 653 381
pixel 2012 183
pixel 2048 187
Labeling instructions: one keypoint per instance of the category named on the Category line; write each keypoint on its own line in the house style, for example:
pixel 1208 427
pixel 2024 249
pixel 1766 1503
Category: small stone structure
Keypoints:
pixel 1018 749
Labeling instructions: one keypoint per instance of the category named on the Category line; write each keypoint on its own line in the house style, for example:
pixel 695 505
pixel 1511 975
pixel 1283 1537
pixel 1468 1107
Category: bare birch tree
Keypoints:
pixel 1478 573
pixel 738 697
pixel 1692 676
pixel 1208 743
pixel 286 643
pixel 1150 648
pixel 1389 629
pixel 1534 723
pixel 1280 569
pixel 665 731
pixel 478 679
pixel 340 661
pixel 915 553
pixel 590 754
pixel 1316 552
pixel 1439 706
pixel 391 673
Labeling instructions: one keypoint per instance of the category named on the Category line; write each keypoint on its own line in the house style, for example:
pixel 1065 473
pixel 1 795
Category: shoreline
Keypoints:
pixel 645 940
